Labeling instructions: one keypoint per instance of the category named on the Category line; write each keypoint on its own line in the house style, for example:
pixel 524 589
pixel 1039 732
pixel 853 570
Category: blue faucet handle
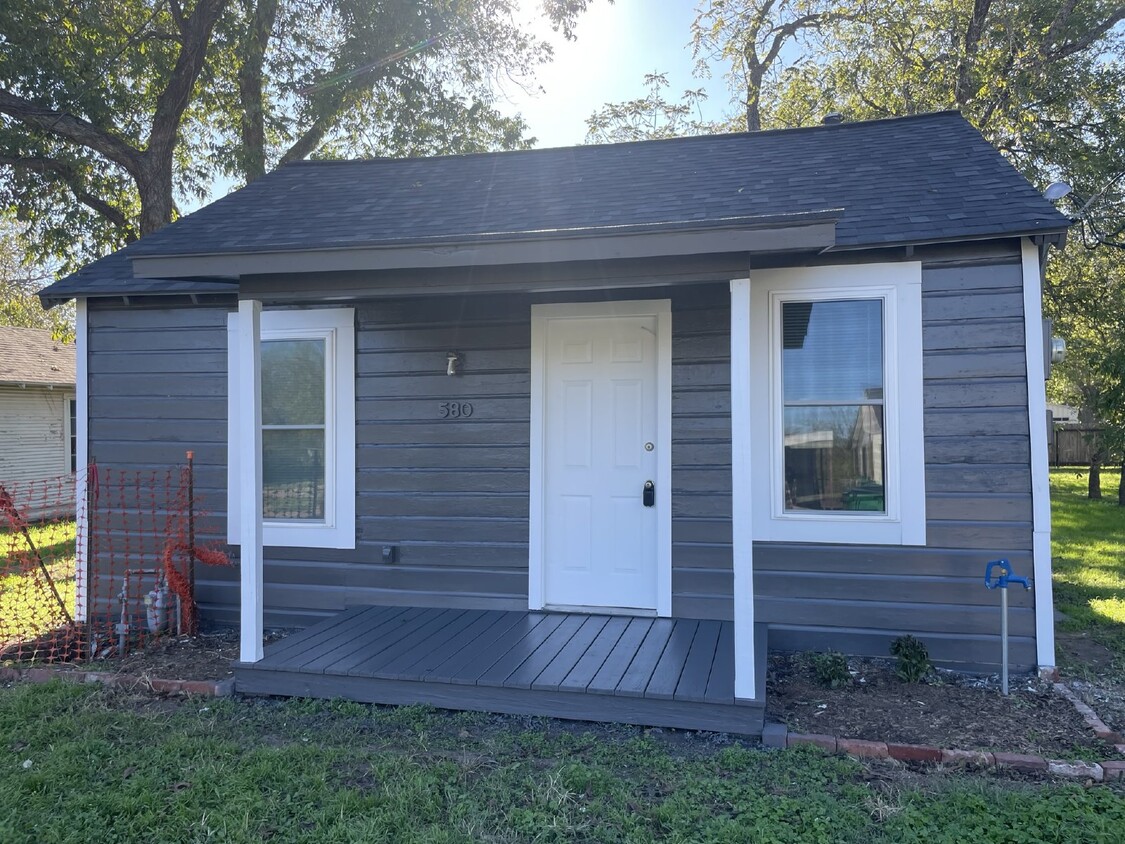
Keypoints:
pixel 1002 579
pixel 1005 577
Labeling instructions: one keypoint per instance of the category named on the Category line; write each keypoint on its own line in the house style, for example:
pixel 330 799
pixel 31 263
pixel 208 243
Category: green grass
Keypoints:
pixel 82 764
pixel 27 605
pixel 1088 549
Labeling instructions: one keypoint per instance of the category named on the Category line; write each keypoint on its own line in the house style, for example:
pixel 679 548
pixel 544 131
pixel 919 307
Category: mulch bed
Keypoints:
pixel 950 710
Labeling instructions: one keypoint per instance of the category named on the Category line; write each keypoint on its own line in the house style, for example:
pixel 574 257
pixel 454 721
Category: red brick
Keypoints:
pixel 7 673
pixel 199 687
pixel 1113 770
pixel 40 675
pixel 165 686
pixel 913 752
pixel 861 747
pixel 1021 761
pixel 967 757
pixel 1108 735
pixel 826 742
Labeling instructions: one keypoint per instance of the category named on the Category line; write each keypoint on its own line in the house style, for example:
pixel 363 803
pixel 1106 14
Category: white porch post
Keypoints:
pixel 745 671
pixel 1040 474
pixel 82 459
pixel 249 444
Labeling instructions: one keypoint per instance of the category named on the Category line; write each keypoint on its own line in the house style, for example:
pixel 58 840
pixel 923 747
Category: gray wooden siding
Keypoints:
pixel 157 379
pixel 978 488
pixel 451 495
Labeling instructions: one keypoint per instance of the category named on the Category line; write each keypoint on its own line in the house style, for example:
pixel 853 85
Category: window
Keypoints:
pixel 308 429
pixel 837 439
pixel 832 398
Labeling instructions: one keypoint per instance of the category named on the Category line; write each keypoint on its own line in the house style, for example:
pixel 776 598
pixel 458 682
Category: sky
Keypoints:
pixel 616 46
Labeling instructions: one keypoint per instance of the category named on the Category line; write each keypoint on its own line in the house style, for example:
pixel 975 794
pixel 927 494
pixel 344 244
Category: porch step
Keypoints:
pixel 655 672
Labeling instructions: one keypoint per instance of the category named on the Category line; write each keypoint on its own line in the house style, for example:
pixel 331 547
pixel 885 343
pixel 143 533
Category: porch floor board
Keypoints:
pixel 668 672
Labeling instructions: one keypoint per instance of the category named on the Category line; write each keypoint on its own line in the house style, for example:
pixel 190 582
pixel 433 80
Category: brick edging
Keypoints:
pixel 777 735
pixel 1091 718
pixel 206 688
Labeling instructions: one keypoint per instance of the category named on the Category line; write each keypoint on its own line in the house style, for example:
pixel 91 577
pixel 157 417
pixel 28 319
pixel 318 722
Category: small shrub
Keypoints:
pixel 831 669
pixel 913 659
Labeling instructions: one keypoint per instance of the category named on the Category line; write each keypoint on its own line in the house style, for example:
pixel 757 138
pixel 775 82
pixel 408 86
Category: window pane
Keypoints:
pixel 293 474
pixel 832 351
pixel 293 382
pixel 834 458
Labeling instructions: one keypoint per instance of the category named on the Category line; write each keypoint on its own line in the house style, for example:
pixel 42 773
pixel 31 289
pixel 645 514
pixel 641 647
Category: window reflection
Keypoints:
pixel 832 387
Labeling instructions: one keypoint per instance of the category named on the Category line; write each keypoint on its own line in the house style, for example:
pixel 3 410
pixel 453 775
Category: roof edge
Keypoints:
pixel 811 232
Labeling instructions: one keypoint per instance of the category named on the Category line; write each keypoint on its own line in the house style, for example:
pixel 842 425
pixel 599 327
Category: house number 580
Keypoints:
pixel 455 409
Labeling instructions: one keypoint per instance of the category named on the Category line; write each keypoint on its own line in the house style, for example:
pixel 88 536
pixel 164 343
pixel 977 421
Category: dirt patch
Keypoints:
pixel 203 657
pixel 1081 654
pixel 1094 672
pixel 949 711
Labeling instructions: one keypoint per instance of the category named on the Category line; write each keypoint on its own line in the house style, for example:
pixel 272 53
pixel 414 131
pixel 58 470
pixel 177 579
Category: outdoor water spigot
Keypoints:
pixel 1001 582
pixel 1005 577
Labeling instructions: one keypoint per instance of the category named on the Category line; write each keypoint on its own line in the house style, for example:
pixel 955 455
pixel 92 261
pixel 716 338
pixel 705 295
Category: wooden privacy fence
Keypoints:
pixel 1072 446
pixel 109 581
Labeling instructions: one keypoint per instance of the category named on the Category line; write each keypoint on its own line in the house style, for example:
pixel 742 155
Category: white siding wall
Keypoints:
pixel 33 428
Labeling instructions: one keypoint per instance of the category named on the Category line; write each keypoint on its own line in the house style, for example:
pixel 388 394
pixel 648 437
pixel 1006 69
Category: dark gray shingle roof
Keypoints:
pixel 910 180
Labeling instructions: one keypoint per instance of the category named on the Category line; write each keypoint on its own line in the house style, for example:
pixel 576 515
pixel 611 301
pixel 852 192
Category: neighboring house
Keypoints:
pixel 585 425
pixel 1064 414
pixel 37 407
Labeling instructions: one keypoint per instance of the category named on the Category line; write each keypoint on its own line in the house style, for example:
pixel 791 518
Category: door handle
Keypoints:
pixel 649 495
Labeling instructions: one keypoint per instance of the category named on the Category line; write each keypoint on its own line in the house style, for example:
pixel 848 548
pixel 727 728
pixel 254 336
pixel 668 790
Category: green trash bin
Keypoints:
pixel 865 496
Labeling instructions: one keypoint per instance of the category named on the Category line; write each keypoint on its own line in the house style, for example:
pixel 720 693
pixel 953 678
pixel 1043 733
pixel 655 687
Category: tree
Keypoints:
pixel 20 281
pixel 111 111
pixel 751 35
pixel 1086 299
pixel 1043 80
pixel 650 116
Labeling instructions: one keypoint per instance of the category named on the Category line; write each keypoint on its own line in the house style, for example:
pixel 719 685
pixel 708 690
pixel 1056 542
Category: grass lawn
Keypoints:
pixel 1088 548
pixel 83 764
pixel 27 605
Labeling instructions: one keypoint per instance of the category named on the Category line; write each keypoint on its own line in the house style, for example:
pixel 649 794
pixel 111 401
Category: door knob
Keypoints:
pixel 649 496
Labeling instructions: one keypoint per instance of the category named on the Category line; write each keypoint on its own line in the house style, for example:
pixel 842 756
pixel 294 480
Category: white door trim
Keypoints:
pixel 661 309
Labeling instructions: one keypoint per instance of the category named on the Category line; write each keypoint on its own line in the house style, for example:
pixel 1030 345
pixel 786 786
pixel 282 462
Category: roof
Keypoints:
pixel 921 179
pixel 30 357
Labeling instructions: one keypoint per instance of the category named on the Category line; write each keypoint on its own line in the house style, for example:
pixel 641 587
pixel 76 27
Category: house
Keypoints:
pixel 37 408
pixel 572 431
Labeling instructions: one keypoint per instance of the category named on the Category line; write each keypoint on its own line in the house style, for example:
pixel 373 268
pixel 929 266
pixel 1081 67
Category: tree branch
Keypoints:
pixel 310 140
pixel 973 35
pixel 1082 41
pixel 71 128
pixel 69 175
pixel 174 99
pixel 252 121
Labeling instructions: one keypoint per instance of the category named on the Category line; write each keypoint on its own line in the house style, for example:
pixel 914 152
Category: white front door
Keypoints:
pixel 601 407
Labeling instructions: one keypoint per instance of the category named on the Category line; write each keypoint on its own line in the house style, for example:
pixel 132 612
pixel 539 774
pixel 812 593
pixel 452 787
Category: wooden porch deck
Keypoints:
pixel 668 672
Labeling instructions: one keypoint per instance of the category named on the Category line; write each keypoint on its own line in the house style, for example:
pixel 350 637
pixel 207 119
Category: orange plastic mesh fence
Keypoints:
pixel 100 566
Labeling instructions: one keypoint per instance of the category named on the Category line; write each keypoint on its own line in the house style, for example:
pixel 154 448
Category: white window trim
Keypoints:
pixel 899 285
pixel 336 326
